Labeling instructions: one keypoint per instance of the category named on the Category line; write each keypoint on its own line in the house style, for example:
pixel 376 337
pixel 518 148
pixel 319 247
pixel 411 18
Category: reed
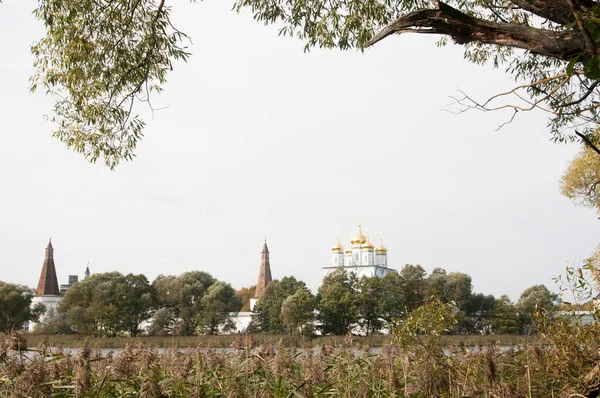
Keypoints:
pixel 342 368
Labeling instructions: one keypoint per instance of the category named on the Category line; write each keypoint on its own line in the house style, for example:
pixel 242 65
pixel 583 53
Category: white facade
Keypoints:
pixel 50 302
pixel 362 258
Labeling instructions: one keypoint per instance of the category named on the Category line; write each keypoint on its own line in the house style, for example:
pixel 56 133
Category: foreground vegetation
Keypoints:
pixel 414 366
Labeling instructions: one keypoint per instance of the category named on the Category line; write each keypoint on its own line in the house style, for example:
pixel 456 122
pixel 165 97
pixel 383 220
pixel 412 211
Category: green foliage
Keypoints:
pixel 108 303
pixel 338 302
pixel 420 337
pixel 15 306
pixel 54 323
pixel 298 312
pixel 413 277
pixel 183 295
pixel 266 315
pixel 217 305
pixel 370 298
pixel 97 60
pixel 534 302
pixel 393 305
pixel 505 318
pixel 476 313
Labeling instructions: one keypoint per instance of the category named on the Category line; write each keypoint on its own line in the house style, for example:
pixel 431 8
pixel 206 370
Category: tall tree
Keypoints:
pixel 267 311
pixel 219 302
pixel 454 287
pixel 505 319
pixel 532 303
pixel 183 295
pixel 370 297
pixel 337 302
pixel 99 58
pixel 298 312
pixel 15 306
pixel 137 295
pixel 414 286
pixel 393 305
pixel 108 303
pixel 476 314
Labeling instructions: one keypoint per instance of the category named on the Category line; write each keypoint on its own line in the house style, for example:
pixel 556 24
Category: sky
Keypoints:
pixel 257 138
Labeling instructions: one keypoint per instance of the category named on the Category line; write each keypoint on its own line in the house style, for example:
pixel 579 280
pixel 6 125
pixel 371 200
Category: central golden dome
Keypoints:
pixel 359 238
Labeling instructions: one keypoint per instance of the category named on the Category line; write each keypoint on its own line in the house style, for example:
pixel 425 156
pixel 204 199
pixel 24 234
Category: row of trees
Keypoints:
pixel 196 303
pixel 345 303
pixel 107 304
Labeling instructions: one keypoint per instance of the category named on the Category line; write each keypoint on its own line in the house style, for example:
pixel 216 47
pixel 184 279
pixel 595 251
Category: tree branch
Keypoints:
pixel 587 142
pixel 464 29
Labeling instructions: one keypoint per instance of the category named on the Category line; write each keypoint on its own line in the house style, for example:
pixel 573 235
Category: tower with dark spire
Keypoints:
pixel 48 283
pixel 48 291
pixel 264 275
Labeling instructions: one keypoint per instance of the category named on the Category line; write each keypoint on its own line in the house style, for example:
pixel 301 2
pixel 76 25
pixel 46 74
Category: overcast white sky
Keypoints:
pixel 261 139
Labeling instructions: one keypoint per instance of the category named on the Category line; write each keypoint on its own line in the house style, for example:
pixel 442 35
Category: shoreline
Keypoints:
pixel 257 340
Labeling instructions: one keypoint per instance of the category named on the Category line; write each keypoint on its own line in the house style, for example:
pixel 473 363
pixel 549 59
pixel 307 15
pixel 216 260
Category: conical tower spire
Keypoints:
pixel 264 275
pixel 48 284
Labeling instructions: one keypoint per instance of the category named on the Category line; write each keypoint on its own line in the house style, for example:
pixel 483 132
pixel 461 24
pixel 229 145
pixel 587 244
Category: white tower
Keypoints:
pixel 348 262
pixel 381 255
pixel 368 253
pixel 337 254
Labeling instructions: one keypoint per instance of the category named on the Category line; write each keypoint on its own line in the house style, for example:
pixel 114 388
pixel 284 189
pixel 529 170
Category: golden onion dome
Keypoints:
pixel 367 245
pixel 380 248
pixel 338 247
pixel 359 238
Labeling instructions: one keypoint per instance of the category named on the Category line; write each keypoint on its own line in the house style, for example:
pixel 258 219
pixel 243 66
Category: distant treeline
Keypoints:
pixel 109 304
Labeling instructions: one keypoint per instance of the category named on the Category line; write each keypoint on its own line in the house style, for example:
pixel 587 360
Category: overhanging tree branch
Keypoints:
pixel 463 28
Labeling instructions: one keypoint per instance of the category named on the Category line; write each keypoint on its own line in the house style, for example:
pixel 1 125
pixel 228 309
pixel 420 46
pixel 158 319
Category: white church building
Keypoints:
pixel 361 257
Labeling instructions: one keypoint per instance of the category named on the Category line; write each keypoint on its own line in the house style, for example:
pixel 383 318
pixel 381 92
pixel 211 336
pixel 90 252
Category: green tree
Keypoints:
pixel 392 303
pixel 99 58
pixel 163 322
pixel 266 315
pixel 15 306
pixel 137 295
pixel 476 314
pixel 218 303
pixel 54 323
pixel 505 319
pixel 533 302
pixel 105 304
pixel 414 285
pixel 454 287
pixel 298 312
pixel 337 302
pixel 183 295
pixel 370 296
pixel 90 305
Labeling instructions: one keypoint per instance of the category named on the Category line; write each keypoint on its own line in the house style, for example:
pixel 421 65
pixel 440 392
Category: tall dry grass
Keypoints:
pixel 558 368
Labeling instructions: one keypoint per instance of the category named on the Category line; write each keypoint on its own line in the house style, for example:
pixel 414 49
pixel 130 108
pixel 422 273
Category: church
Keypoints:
pixel 361 257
